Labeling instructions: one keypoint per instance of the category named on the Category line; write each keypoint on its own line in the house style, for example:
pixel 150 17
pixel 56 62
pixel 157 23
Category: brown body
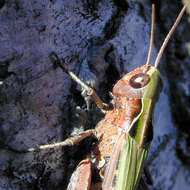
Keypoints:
pixel 119 118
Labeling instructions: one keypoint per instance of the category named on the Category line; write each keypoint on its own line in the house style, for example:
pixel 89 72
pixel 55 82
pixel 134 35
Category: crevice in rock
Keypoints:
pixel 112 26
pixel 2 3
pixel 90 6
pixel 183 148
pixel 4 73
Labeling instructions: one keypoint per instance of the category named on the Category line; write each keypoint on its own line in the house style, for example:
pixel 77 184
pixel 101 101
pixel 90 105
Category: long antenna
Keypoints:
pixel 157 61
pixel 152 36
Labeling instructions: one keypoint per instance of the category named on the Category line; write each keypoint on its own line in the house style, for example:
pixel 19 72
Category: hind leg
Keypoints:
pixel 81 178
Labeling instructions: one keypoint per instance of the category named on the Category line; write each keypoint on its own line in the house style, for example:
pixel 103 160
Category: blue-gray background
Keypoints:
pixel 100 40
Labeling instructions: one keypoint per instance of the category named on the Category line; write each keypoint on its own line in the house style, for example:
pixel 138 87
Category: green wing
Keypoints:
pixel 126 164
pixel 131 164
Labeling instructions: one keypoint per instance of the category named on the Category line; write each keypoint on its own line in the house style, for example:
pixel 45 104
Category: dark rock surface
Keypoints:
pixel 100 41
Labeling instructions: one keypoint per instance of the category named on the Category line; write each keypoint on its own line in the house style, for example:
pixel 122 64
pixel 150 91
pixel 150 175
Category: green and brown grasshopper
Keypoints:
pixel 125 133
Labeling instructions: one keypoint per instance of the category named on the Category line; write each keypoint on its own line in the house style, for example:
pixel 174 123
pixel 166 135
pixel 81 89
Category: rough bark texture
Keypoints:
pixel 100 41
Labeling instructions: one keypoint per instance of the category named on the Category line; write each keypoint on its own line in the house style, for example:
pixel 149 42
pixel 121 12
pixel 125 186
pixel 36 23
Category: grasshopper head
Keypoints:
pixel 139 83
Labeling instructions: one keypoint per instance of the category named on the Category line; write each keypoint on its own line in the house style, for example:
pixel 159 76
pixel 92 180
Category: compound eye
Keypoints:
pixel 139 80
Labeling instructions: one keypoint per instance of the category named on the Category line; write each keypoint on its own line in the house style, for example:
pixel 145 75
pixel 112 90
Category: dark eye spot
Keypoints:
pixel 139 80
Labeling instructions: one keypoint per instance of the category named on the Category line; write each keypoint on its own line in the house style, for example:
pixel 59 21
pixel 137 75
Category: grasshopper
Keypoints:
pixel 125 133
